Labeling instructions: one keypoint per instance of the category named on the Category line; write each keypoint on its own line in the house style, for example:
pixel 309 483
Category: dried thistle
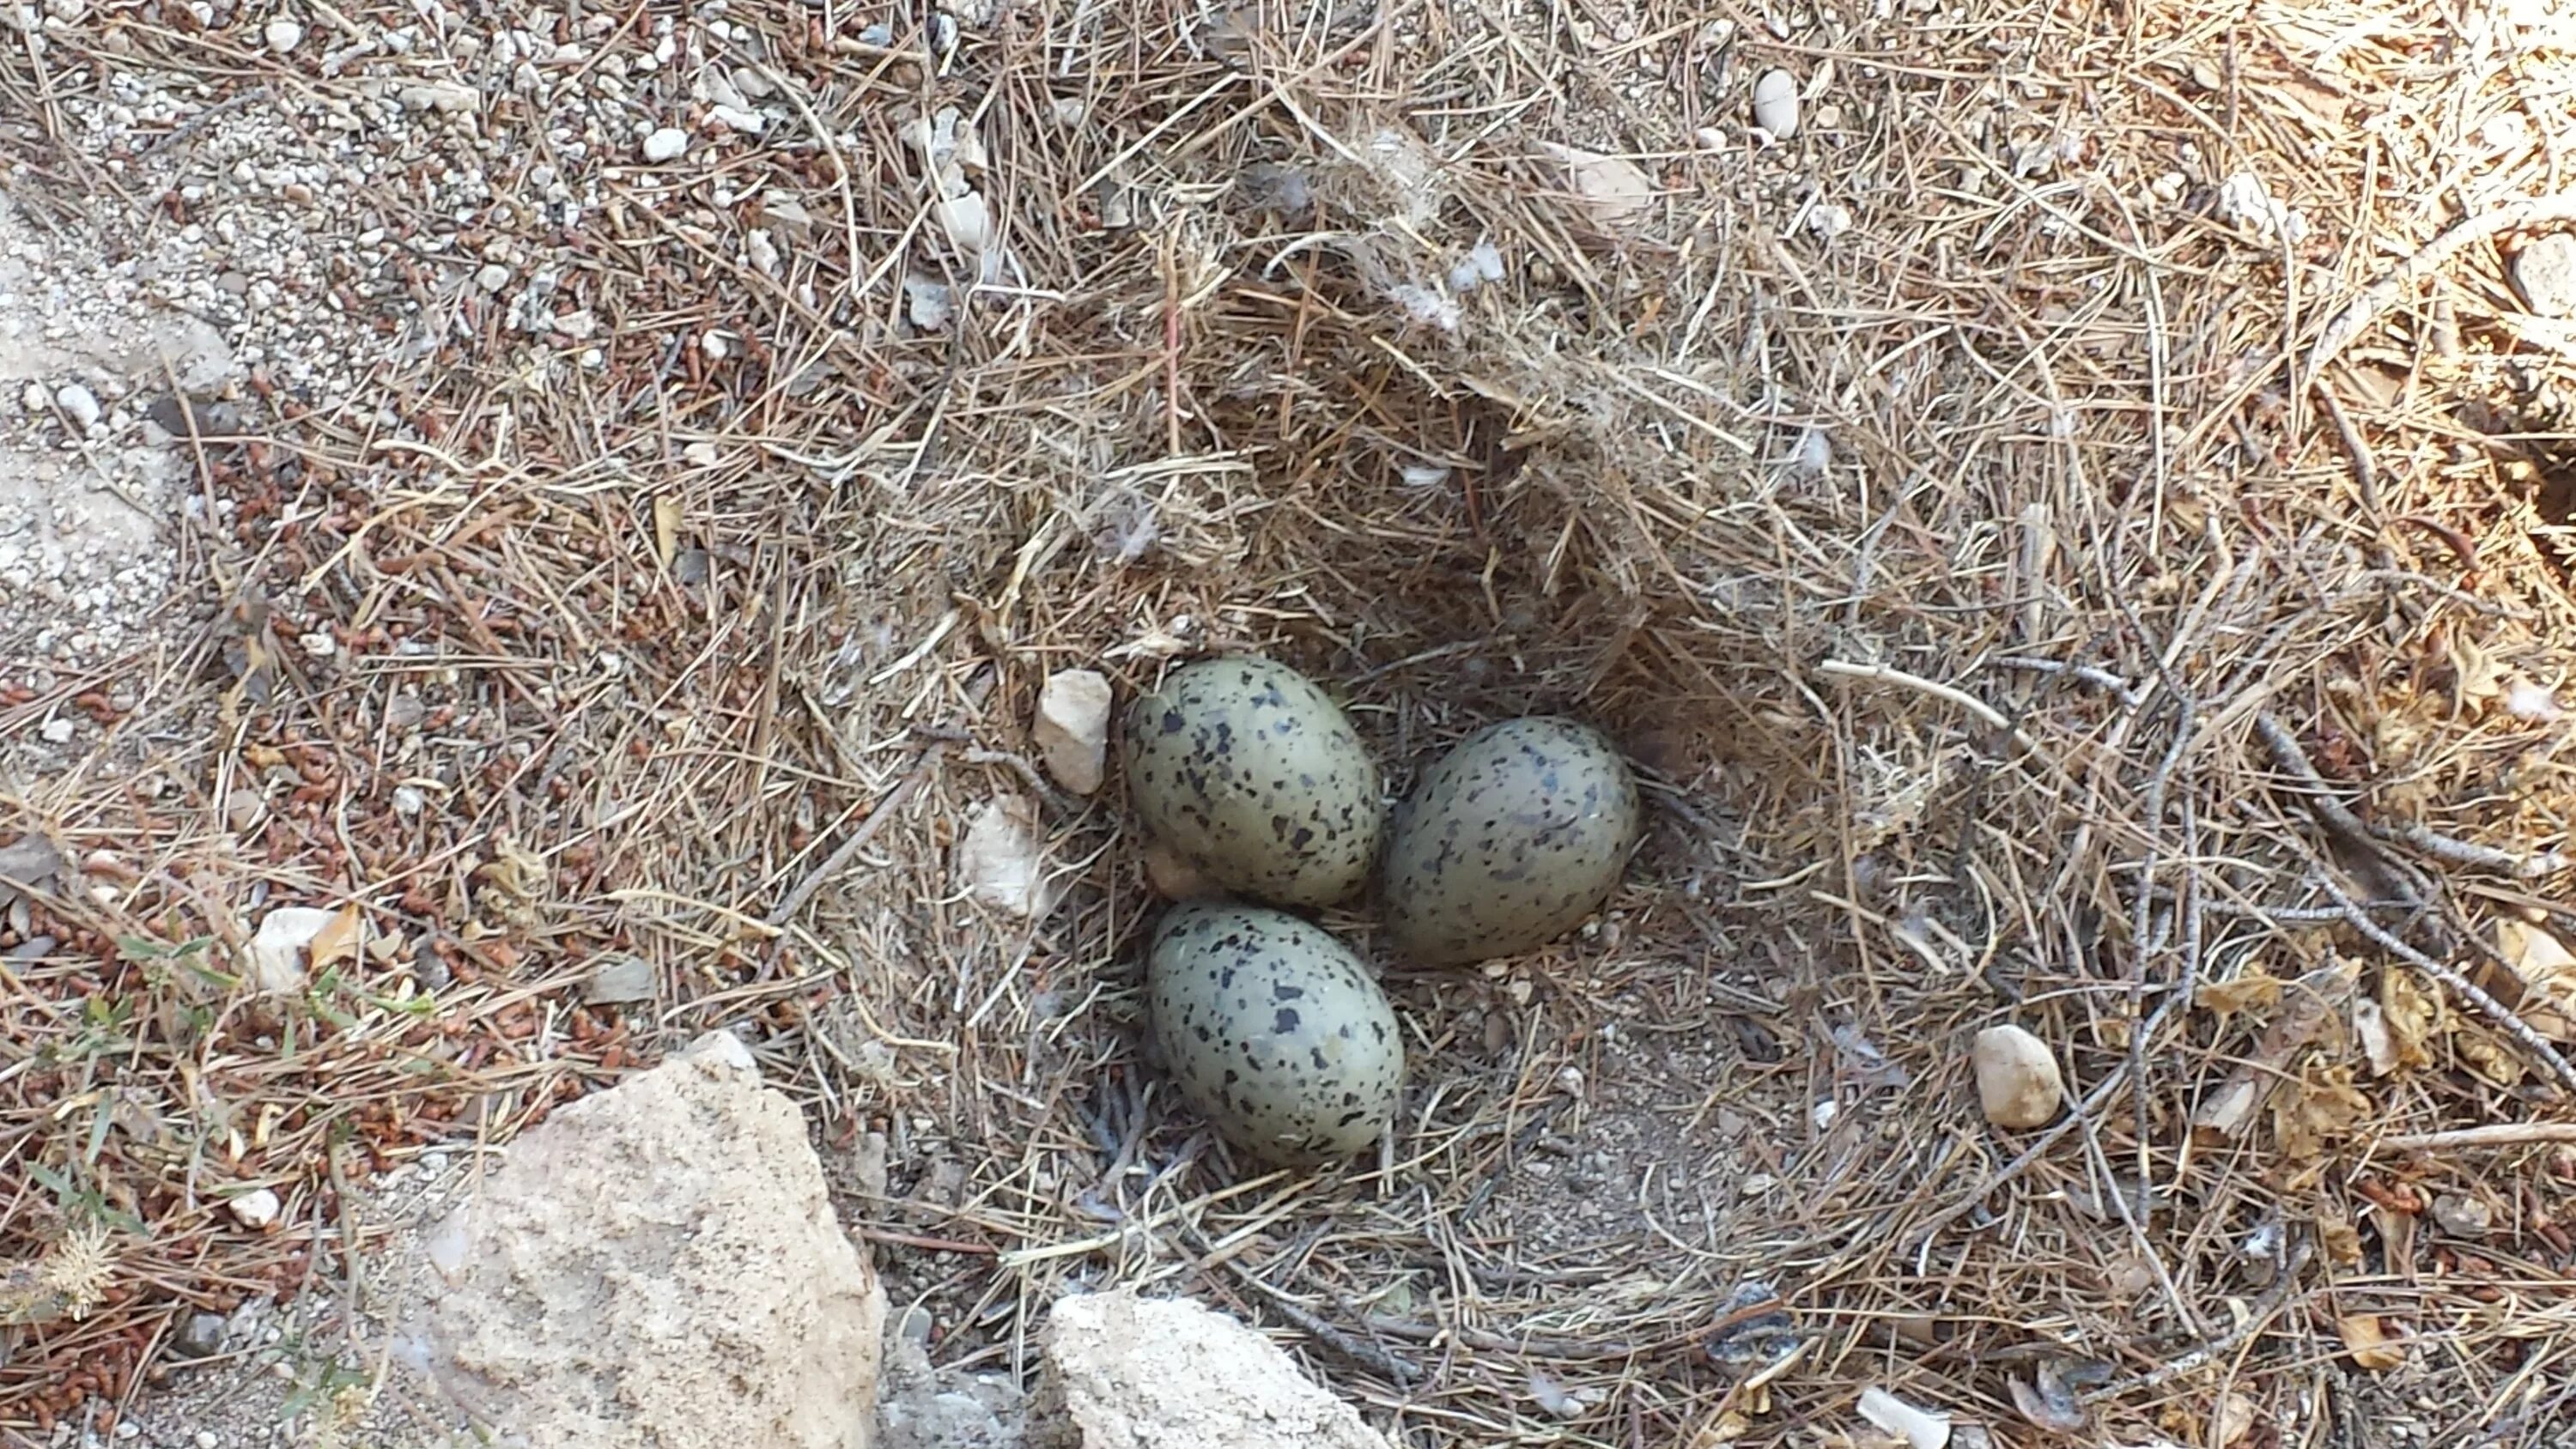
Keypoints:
pixel 67 1280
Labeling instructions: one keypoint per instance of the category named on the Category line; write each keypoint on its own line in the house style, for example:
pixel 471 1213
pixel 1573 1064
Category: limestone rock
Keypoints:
pixel 1124 1372
pixel 1072 729
pixel 657 1264
pixel 919 1407
pixel 2544 271
pixel 2017 1078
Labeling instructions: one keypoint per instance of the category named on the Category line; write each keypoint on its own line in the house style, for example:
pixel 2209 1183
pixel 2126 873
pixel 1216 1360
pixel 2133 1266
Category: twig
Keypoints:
pixel 2336 816
pixel 1401 1372
pixel 2462 987
pixel 2099 678
pixel 926 1244
pixel 2483 857
pixel 2348 324
pixel 2251 1324
pixel 1882 674
pixel 833 864
pixel 2494 1134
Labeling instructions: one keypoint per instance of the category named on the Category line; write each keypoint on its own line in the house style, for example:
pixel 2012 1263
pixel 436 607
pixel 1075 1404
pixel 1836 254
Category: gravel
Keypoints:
pixel 300 250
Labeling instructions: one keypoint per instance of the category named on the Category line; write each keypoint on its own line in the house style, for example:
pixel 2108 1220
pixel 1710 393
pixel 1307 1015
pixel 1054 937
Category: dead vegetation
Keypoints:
pixel 2039 597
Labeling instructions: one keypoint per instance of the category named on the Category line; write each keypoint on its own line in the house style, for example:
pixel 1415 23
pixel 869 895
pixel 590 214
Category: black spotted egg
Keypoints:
pixel 1251 773
pixel 1273 1031
pixel 1508 841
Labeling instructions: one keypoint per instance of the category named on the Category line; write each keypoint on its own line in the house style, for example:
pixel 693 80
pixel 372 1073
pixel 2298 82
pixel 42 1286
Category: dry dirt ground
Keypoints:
pixel 2076 530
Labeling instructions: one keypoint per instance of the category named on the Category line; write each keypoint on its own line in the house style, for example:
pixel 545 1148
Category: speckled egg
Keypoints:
pixel 1509 841
pixel 1247 769
pixel 1274 1031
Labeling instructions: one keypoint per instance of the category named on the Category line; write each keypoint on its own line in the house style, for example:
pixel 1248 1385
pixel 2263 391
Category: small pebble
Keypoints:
pixel 1072 729
pixel 2017 1078
pixel 2544 272
pixel 57 731
pixel 257 1208
pixel 1775 104
pixel 79 404
pixel 2463 1217
pixel 665 144
pixel 282 35
pixel 206 1439
pixel 201 1336
pixel 620 979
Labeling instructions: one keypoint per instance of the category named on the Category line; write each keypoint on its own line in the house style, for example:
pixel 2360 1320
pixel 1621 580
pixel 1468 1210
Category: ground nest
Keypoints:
pixel 2072 536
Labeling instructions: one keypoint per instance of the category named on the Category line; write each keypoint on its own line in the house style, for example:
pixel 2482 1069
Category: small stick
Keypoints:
pixel 2462 987
pixel 916 1240
pixel 2494 1134
pixel 1401 1372
pixel 2101 679
pixel 794 901
pixel 2484 857
pixel 2348 324
pixel 1882 674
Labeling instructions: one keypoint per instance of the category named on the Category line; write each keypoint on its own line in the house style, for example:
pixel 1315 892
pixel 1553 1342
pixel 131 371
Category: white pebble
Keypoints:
pixel 2018 1084
pixel 1775 104
pixel 665 144
pixel 319 644
pixel 79 404
pixel 206 1439
pixel 1072 729
pixel 282 35
pixel 57 731
pixel 257 1208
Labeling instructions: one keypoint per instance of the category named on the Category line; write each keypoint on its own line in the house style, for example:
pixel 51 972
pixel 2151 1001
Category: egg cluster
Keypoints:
pixel 1246 770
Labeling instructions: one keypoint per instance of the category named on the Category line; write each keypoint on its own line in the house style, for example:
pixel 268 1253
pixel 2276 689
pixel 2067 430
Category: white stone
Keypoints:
pixel 256 1209
pixel 1124 1372
pixel 282 35
pixel 2018 1084
pixel 2544 271
pixel 79 404
pixel 1072 729
pixel 1003 857
pixel 719 1301
pixel 1775 104
pixel 57 731
pixel 666 144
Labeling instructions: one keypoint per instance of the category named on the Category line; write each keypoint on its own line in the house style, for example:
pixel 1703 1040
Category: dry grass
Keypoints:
pixel 1969 725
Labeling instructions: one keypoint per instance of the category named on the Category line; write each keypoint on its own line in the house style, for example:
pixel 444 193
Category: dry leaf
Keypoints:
pixel 2232 1420
pixel 1613 190
pixel 2314 1000
pixel 2487 1057
pixel 2252 988
pixel 338 940
pixel 2476 677
pixel 1003 858
pixel 2548 977
pixel 2370 1028
pixel 2321 1106
pixel 2413 1018
pixel 2340 1239
pixel 666 528
pixel 2372 1346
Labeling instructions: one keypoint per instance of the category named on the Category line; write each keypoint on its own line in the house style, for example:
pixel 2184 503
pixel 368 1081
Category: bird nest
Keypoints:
pixel 2070 536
